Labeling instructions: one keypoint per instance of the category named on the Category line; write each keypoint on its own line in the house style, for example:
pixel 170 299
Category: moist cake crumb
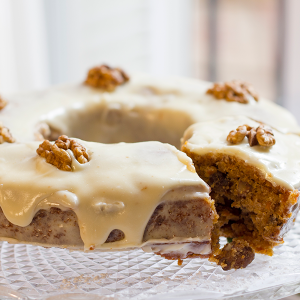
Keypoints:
pixel 248 205
pixel 235 255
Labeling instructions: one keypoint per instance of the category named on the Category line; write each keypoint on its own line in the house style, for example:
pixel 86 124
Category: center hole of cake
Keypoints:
pixel 117 123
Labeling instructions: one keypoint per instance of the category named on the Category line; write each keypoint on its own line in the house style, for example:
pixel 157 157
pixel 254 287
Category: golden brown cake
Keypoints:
pixel 254 175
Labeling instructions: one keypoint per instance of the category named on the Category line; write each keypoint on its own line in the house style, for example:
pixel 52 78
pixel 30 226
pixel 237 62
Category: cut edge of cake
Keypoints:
pixel 255 206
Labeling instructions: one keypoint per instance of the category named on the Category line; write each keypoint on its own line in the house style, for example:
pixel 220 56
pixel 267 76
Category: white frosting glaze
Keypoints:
pixel 280 163
pixel 143 109
pixel 119 188
pixel 122 184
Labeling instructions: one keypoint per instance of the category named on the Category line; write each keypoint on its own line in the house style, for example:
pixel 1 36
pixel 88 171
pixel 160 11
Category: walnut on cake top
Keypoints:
pixel 57 155
pixel 106 77
pixel 238 91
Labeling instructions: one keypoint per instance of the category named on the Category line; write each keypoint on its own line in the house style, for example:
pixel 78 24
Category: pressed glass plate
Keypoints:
pixel 30 272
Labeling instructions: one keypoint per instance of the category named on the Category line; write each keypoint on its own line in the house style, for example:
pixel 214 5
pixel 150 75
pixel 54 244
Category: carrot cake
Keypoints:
pixel 254 173
pixel 142 108
pixel 92 196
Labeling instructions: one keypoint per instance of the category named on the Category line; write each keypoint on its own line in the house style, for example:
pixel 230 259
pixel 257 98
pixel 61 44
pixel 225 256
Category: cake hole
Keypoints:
pixel 114 123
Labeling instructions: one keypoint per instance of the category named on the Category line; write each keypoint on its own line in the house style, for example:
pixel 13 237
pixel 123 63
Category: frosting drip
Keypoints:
pixel 119 188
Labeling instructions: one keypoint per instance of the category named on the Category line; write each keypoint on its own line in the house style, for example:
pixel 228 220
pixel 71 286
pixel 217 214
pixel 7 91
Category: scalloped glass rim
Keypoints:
pixel 31 272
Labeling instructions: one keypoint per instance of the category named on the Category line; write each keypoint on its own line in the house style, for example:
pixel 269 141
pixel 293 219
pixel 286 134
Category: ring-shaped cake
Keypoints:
pixel 129 192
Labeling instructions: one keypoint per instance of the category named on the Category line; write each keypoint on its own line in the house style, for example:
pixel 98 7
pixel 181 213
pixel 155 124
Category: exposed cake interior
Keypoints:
pixel 176 229
pixel 249 206
pixel 155 201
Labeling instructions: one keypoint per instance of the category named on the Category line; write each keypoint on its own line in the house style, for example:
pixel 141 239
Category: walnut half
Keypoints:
pixel 262 135
pixel 265 136
pixel 5 135
pixel 2 103
pixel 106 78
pixel 235 90
pixel 238 135
pixel 56 154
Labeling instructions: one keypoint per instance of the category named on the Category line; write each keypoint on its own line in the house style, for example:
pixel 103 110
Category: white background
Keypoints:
pixel 45 42
pixel 50 42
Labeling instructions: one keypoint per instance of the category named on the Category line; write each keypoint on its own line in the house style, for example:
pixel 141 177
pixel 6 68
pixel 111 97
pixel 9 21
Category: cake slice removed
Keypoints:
pixel 254 175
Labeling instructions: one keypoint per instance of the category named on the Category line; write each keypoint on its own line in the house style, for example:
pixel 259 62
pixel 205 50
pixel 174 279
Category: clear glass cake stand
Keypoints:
pixel 30 272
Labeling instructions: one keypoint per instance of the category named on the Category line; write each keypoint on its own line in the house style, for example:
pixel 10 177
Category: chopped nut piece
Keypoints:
pixel 106 78
pixel 252 137
pixel 2 103
pixel 265 136
pixel 237 91
pixel 262 135
pixel 63 142
pixel 57 155
pixel 235 255
pixel 79 152
pixel 237 136
pixel 5 135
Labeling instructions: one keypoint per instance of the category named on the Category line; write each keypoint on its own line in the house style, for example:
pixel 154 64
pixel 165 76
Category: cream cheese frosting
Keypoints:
pixel 143 109
pixel 122 184
pixel 280 163
pixel 119 188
